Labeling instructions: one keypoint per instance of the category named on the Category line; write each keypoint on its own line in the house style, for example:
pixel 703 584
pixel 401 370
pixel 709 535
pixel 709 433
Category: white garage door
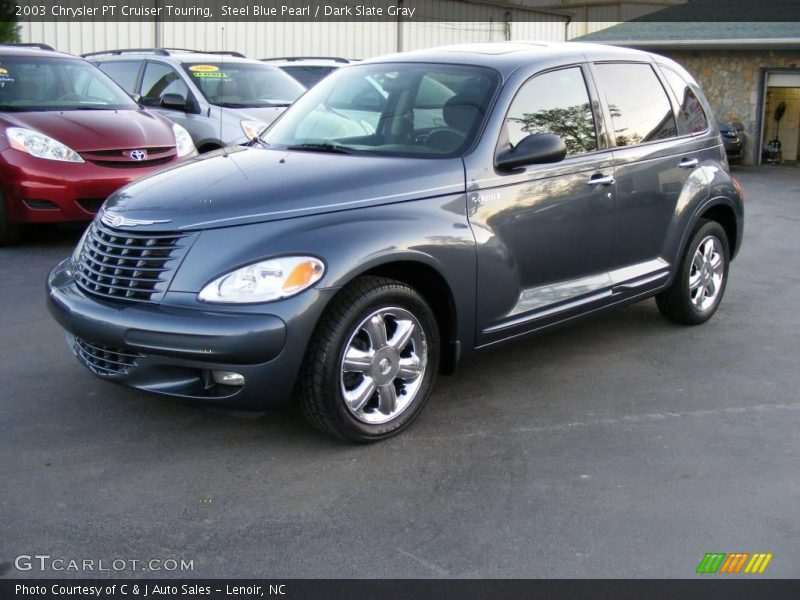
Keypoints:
pixel 783 80
pixel 784 88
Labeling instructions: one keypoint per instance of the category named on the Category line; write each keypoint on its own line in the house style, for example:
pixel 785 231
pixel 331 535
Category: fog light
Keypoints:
pixel 227 378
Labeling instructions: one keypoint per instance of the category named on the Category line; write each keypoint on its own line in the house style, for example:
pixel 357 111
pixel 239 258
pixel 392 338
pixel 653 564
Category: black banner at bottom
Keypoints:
pixel 397 589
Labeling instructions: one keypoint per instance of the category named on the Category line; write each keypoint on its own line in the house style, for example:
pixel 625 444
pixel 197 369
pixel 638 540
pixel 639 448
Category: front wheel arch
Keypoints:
pixel 436 291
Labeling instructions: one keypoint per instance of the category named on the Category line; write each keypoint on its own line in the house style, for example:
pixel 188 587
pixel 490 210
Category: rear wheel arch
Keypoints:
pixel 724 215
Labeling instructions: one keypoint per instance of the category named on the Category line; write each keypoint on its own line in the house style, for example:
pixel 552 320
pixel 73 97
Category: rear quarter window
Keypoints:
pixel 124 73
pixel 691 116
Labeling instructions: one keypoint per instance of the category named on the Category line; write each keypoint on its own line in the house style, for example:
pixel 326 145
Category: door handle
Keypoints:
pixel 602 180
pixel 689 163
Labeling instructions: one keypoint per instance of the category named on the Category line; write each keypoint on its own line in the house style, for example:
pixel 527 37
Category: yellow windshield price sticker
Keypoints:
pixel 203 68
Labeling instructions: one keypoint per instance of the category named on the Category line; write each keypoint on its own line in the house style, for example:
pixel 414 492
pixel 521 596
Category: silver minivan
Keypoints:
pixel 221 98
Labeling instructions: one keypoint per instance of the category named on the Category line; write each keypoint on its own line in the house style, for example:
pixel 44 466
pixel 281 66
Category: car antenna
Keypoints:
pixel 222 69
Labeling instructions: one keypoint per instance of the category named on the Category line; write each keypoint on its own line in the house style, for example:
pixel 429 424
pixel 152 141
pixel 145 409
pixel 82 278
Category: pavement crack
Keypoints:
pixel 656 416
pixel 425 563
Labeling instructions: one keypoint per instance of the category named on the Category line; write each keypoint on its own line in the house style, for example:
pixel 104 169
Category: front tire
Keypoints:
pixel 372 361
pixel 698 287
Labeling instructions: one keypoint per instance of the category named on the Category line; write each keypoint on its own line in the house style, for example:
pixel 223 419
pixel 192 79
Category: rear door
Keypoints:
pixel 655 165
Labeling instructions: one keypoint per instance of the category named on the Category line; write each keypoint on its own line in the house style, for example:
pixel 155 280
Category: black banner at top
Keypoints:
pixel 380 10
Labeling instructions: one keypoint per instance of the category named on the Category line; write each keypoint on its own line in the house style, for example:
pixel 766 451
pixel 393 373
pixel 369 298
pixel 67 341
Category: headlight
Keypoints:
pixel 264 281
pixel 183 141
pixel 40 145
pixel 76 254
pixel 252 129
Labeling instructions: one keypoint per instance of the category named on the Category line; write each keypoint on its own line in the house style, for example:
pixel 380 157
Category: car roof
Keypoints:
pixel 506 57
pixel 307 61
pixel 175 55
pixel 30 50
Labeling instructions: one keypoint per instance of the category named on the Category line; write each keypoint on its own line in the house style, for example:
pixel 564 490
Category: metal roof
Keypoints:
pixel 719 24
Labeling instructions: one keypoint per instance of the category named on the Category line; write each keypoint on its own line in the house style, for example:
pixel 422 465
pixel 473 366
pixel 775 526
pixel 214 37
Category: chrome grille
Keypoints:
pixel 104 360
pixel 129 266
pixel 122 157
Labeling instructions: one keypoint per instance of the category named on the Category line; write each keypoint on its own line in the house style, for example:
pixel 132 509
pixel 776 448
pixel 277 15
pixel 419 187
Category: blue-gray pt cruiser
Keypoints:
pixel 402 214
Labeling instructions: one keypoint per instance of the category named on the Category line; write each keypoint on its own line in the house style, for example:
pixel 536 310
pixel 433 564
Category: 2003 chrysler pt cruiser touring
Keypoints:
pixel 405 212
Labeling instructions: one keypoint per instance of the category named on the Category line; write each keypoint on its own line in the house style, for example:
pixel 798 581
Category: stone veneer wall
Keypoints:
pixel 730 80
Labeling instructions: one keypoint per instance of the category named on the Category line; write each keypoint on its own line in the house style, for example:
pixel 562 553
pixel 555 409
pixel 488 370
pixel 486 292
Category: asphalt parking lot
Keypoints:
pixel 623 446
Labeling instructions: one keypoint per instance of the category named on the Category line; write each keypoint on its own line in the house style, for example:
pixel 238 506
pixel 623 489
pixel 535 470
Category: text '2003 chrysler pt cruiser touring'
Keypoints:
pixel 405 212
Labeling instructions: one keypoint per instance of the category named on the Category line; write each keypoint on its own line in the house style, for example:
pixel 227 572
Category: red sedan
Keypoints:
pixel 69 137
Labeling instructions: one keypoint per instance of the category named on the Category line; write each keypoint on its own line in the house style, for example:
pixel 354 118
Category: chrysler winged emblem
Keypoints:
pixel 114 220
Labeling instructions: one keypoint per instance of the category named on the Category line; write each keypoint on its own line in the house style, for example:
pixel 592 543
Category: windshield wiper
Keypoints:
pixel 257 140
pixel 332 148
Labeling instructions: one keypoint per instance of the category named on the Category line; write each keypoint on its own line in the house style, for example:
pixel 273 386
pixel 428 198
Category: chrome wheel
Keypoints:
pixel 383 365
pixel 706 273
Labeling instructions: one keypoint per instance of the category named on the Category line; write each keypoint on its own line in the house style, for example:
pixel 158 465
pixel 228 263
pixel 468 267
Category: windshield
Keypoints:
pixel 52 83
pixel 415 110
pixel 244 85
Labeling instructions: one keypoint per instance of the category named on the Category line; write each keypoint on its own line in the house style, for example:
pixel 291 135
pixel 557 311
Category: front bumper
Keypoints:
pixel 172 350
pixel 48 191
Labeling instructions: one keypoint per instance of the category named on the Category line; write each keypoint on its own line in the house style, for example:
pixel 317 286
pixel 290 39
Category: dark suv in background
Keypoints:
pixel 350 254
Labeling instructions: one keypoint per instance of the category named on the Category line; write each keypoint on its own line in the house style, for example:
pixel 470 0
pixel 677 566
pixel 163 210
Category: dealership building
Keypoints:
pixel 435 23
pixel 445 22
pixel 747 70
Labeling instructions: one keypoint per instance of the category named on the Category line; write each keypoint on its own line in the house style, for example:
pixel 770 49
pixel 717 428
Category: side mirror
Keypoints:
pixel 173 101
pixel 533 149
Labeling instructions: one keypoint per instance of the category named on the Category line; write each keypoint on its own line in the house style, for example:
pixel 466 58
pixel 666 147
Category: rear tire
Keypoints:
pixel 698 287
pixel 372 362
pixel 10 232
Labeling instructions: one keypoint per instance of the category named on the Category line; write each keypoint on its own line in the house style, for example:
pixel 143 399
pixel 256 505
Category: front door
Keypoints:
pixel 159 79
pixel 544 231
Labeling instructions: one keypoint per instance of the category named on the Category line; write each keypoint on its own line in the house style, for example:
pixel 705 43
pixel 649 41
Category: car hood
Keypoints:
pixel 249 185
pixel 88 130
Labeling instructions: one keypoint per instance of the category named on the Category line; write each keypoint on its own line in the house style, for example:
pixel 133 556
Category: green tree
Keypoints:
pixel 9 30
pixel 572 124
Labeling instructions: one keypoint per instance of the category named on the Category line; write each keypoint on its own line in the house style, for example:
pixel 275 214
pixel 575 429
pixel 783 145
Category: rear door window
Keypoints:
pixel 639 106
pixel 555 102
pixel 691 116
pixel 125 73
